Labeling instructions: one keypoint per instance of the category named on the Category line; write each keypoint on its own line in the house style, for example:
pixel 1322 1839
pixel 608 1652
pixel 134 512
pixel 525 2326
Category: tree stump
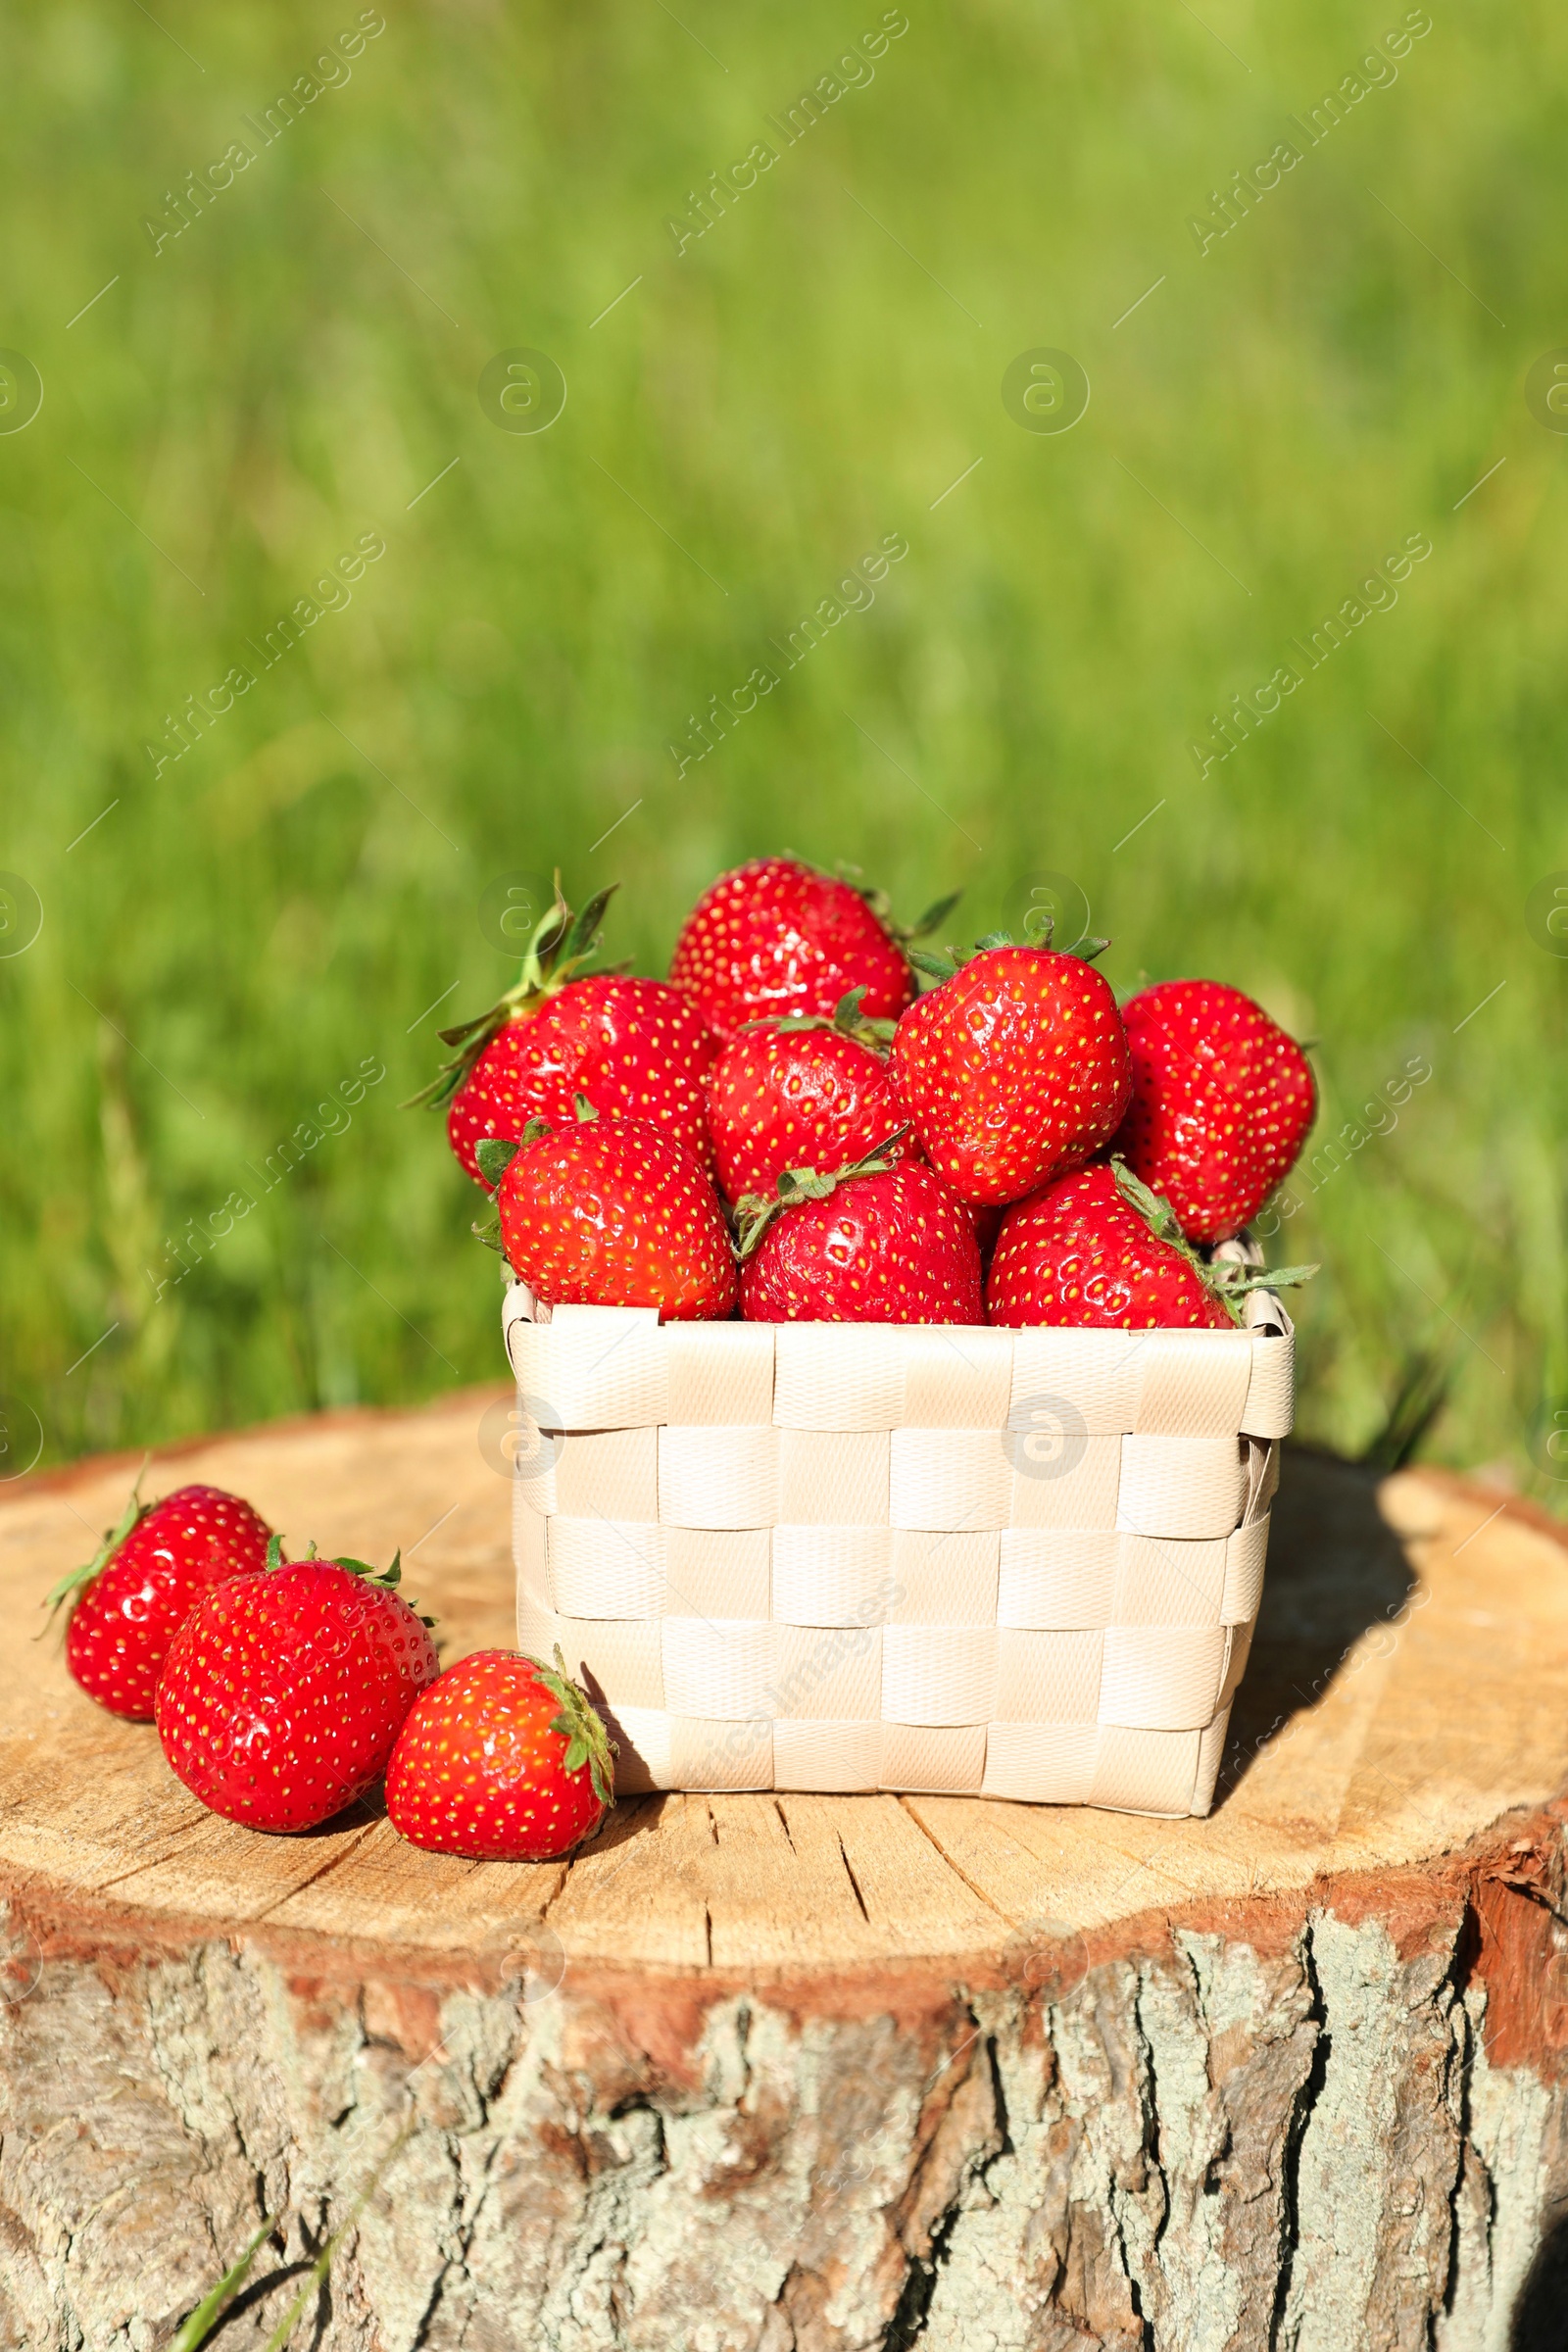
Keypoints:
pixel 755 2072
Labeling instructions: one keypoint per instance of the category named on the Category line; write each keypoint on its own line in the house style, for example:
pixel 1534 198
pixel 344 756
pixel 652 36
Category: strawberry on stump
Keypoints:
pixel 800 1091
pixel 1013 1071
pixel 284 1692
pixel 609 1212
pixel 502 1760
pixel 635 1048
pixel 872 1243
pixel 152 1568
pixel 1098 1251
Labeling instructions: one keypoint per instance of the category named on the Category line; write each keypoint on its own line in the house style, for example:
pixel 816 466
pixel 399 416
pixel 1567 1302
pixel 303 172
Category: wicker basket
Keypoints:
pixel 845 1556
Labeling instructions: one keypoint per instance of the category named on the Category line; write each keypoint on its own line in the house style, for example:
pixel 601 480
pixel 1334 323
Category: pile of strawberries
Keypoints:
pixel 787 1129
pixel 283 1691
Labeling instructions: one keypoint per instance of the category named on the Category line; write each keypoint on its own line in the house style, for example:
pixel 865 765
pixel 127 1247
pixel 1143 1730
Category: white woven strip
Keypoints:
pixel 709 1477
pixel 839 1375
pixel 709 1753
pixel 642 1739
pixel 1245 1552
pixel 827 1672
pixel 1058 1577
pixel 1161 1580
pixel 838 1757
pixel 832 1575
pixel 1047 1677
pixel 944 1579
pixel 1211 1748
pixel 717 1572
pixel 1184 1487
pixel 1074 1486
pixel 854 1556
pixel 592 1367
pixel 607 1568
pixel 1099 1373
pixel 1042 1763
pixel 1234 1662
pixel 956 1376
pixel 1195 1384
pixel 720 1372
pixel 1161 1677
pixel 946 1478
pixel 718 1665
pixel 833 1478
pixel 938 1761
pixel 606 1474
pixel 938 1674
pixel 1145 1771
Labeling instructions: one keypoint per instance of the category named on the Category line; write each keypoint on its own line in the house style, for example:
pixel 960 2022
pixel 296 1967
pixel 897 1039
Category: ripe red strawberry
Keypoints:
pixel 1097 1249
pixel 500 1760
pixel 129 1601
pixel 1077 1253
pixel 634 1048
pixel 283 1692
pixel 609 1212
pixel 888 1245
pixel 1222 1101
pixel 1014 1070
pixel 802 1093
pixel 778 937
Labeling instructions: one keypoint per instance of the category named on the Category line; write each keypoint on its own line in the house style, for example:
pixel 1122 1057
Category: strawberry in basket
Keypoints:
pixel 636 1048
pixel 1015 1069
pixel 876 1243
pixel 1097 1249
pixel 1222 1102
pixel 776 937
pixel 801 1091
pixel 611 1212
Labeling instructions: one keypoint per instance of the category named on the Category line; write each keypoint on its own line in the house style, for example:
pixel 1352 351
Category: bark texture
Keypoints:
pixel 1317 2131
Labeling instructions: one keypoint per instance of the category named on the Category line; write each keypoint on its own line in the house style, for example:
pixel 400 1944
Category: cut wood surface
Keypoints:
pixel 947 2071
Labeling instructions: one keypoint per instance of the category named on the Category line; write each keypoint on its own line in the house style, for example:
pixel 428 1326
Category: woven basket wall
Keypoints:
pixel 854 1556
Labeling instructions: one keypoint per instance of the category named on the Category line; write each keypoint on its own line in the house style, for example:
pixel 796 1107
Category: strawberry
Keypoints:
pixel 1098 1251
pixel 150 1571
pixel 284 1690
pixel 611 1212
pixel 801 1092
pixel 500 1760
pixel 1013 1071
pixel 1222 1101
pixel 636 1048
pixel 874 1243
pixel 779 937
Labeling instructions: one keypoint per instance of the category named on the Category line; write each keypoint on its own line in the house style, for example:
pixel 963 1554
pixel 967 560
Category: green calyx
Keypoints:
pixel 755 1212
pixel 587 1740
pixel 71 1586
pixel 1230 1283
pixel 560 948
pixel 944 966
pixel 846 1019
pixel 385 1580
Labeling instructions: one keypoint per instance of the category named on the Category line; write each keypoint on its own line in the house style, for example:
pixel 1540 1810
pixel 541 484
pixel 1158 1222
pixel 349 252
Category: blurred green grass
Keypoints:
pixel 247 927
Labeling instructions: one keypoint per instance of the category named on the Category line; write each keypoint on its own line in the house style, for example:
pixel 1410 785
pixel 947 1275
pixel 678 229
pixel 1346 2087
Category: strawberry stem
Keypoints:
pixel 73 1585
pixel 587 1740
pixel 755 1212
pixel 1225 1281
pixel 560 947
pixel 846 1018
